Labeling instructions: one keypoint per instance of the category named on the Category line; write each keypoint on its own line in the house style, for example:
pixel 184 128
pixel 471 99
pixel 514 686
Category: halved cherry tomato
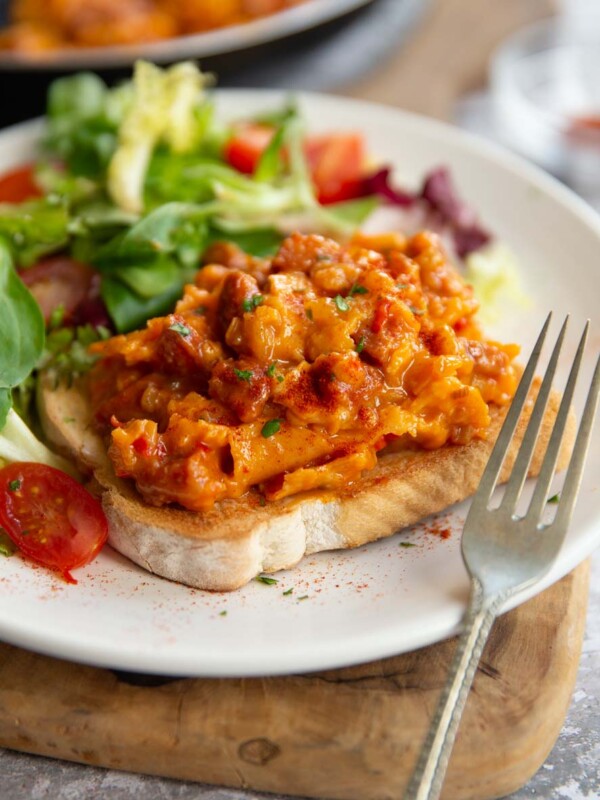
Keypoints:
pixel 62 282
pixel 19 185
pixel 337 166
pixel 51 517
pixel 336 161
pixel 244 150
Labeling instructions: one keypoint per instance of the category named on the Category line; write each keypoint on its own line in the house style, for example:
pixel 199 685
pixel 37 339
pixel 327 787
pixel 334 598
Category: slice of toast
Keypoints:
pixel 224 548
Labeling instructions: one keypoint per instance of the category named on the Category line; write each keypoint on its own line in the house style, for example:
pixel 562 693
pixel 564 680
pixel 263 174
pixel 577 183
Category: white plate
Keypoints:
pixel 380 599
pixel 229 39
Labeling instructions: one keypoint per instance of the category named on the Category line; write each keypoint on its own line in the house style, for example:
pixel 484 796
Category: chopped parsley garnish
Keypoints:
pixel 266 580
pixel 262 502
pixel 271 427
pixel 309 314
pixel 357 289
pixel 341 303
pixel 402 285
pixel 250 303
pixel 14 486
pixel 243 374
pixel 200 311
pixel 7 548
pixel 417 311
pixel 271 372
pixel 360 345
pixel 288 591
pixel 407 544
pixel 304 597
pixel 554 499
pixel 69 420
pixel 182 330
pixel 223 613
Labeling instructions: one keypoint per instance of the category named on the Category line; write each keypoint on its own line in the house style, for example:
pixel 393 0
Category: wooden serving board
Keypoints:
pixel 349 733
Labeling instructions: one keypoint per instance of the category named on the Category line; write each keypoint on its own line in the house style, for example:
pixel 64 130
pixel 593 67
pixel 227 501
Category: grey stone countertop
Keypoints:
pixel 572 770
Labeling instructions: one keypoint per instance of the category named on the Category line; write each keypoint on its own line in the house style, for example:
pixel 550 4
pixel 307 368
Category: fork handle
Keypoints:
pixel 428 776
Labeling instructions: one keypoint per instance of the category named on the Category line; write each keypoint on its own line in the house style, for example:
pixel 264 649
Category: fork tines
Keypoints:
pixel 526 450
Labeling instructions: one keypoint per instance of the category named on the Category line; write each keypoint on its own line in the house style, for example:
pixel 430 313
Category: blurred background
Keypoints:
pixel 523 72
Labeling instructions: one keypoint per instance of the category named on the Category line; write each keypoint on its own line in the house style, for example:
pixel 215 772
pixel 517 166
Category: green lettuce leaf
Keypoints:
pixel 260 242
pixel 5 405
pixel 129 311
pixel 34 229
pixel 83 117
pixel 163 109
pixel 22 330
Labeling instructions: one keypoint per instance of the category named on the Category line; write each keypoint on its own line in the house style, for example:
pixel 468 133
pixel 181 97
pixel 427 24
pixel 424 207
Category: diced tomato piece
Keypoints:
pixel 337 166
pixel 244 150
pixel 140 445
pixel 51 517
pixel 336 161
pixel 19 185
pixel 381 313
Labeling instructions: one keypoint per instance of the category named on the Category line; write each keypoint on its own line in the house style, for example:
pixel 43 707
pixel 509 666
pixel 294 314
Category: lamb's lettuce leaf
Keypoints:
pixel 22 336
pixel 259 242
pixel 5 405
pixel 129 310
pixel 22 329
pixel 151 279
pixel 354 212
pixel 83 118
pixel 34 229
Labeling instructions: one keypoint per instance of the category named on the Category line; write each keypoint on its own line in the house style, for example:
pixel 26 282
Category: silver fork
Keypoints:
pixel 505 553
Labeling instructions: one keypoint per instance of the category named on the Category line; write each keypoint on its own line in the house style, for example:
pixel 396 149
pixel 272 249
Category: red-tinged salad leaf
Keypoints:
pixel 441 202
pixel 379 183
pixel 441 195
pixel 62 285
pixel 469 240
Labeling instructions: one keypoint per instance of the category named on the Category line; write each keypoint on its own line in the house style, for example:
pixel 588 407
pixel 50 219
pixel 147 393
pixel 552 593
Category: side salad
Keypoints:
pixel 101 233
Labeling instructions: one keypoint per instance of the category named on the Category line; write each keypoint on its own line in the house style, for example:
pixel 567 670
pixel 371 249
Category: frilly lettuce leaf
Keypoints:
pixel 163 109
pixel 494 274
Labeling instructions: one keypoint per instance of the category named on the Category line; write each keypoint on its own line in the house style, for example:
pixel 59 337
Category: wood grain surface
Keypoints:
pixel 350 733
pixel 355 732
pixel 448 54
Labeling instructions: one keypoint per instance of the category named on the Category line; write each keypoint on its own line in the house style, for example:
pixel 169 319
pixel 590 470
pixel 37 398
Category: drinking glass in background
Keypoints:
pixel 545 83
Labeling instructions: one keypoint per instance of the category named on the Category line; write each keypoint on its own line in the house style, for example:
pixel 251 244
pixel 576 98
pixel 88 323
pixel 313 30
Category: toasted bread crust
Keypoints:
pixel 224 548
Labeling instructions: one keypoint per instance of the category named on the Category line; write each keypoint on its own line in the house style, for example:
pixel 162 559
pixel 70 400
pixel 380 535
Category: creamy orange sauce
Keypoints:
pixel 290 375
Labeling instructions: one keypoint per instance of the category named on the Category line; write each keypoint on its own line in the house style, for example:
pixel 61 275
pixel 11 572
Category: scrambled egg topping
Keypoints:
pixel 291 374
